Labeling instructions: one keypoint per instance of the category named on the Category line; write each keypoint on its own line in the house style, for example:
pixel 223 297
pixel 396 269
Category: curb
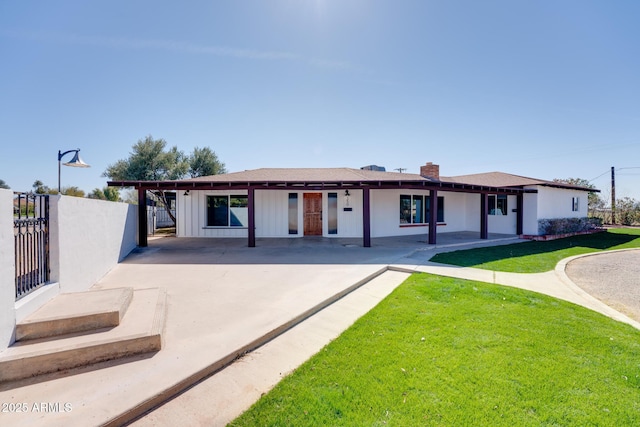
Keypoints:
pixel 560 271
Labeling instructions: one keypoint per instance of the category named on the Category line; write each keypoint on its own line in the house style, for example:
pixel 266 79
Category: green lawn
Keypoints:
pixel 450 352
pixel 536 257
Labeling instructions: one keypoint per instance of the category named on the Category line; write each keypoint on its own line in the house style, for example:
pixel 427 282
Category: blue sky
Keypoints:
pixel 546 89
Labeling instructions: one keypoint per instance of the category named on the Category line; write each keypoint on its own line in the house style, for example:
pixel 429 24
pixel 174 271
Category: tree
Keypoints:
pixel 627 211
pixel 4 185
pixel 151 161
pixel 71 191
pixel 40 188
pixel 107 193
pixel 204 162
pixel 130 196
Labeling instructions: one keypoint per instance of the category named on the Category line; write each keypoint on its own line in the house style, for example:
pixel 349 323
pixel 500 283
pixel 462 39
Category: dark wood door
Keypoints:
pixel 313 214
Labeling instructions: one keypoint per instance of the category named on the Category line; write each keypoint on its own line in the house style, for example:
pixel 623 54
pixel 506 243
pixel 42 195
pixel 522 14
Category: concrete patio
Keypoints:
pixel 225 299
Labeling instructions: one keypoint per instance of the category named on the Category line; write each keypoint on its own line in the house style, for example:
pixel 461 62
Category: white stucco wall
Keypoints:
pixel 530 213
pixel 505 224
pixel 7 270
pixel 87 238
pixel 385 213
pixel 557 203
pixel 550 203
pixel 472 212
pixel 90 238
pixel 456 206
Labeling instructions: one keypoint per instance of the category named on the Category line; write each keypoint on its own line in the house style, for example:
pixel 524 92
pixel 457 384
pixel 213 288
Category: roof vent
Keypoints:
pixel 373 168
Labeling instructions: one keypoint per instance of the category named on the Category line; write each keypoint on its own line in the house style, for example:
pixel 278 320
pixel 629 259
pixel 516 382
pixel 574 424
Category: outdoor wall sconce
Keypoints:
pixel 75 162
pixel 186 193
pixel 347 197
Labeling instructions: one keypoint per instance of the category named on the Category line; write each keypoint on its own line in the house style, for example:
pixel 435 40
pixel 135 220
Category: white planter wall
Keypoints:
pixel 87 238
pixel 7 270
pixel 90 238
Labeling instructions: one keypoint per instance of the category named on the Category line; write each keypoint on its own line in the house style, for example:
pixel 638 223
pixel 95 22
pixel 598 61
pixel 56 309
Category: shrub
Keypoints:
pixel 568 225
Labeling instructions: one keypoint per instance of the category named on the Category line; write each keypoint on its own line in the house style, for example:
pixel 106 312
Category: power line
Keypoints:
pixel 616 169
pixel 602 174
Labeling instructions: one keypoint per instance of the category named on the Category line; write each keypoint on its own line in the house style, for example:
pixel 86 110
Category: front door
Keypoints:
pixel 313 214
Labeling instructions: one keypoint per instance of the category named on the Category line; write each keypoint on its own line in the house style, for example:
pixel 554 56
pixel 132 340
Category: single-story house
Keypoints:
pixel 364 203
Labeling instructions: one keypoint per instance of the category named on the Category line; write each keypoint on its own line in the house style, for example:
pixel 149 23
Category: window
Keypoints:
pixel 332 221
pixel 498 204
pixel 417 209
pixel 227 211
pixel 293 213
pixel 439 214
pixel 405 209
pixel 575 204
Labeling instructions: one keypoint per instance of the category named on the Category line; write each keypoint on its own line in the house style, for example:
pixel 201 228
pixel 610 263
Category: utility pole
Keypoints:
pixel 400 169
pixel 613 195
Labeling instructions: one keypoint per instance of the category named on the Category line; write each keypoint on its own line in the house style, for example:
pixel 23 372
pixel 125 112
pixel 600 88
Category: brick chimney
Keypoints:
pixel 430 171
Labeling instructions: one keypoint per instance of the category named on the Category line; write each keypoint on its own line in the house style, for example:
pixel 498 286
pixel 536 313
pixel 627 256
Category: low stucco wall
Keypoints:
pixel 7 269
pixel 87 238
pixel 90 238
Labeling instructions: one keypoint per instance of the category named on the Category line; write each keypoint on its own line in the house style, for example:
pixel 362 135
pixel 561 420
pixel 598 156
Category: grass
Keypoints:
pixel 449 352
pixel 536 257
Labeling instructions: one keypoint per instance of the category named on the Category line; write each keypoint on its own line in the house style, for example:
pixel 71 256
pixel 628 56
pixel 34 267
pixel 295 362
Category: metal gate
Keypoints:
pixel 31 237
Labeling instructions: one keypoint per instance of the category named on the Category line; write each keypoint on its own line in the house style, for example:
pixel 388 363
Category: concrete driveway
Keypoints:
pixel 612 277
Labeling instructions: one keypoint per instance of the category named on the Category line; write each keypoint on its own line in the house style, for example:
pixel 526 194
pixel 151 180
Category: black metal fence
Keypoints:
pixel 31 236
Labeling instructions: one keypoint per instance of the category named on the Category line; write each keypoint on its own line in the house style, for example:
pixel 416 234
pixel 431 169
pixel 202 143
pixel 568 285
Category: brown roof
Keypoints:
pixel 501 180
pixel 309 175
pixel 314 177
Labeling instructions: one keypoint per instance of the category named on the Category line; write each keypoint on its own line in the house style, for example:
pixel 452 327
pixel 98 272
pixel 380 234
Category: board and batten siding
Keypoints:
pixel 271 214
pixel 191 216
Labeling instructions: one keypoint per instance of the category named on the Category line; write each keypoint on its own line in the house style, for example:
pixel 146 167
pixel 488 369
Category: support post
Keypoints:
pixel 366 218
pixel 142 218
pixel 519 213
pixel 251 211
pixel 433 216
pixel 484 215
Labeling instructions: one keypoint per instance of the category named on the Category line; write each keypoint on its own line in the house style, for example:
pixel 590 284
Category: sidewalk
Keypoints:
pixel 225 300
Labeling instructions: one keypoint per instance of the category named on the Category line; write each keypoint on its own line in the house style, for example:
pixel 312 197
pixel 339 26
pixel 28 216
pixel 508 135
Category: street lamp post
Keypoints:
pixel 75 162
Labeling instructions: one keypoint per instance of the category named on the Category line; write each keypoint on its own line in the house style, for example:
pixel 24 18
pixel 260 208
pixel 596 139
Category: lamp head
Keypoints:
pixel 77 161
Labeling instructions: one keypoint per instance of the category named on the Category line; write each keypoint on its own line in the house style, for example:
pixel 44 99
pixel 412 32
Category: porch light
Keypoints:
pixel 75 162
pixel 347 197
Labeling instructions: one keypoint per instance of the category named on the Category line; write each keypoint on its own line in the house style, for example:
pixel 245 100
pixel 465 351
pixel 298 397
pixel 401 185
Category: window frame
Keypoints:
pixel 575 204
pixel 233 201
pixel 495 204
pixel 414 205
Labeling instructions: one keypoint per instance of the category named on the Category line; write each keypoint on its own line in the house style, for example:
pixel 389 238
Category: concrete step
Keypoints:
pixel 140 331
pixel 76 312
